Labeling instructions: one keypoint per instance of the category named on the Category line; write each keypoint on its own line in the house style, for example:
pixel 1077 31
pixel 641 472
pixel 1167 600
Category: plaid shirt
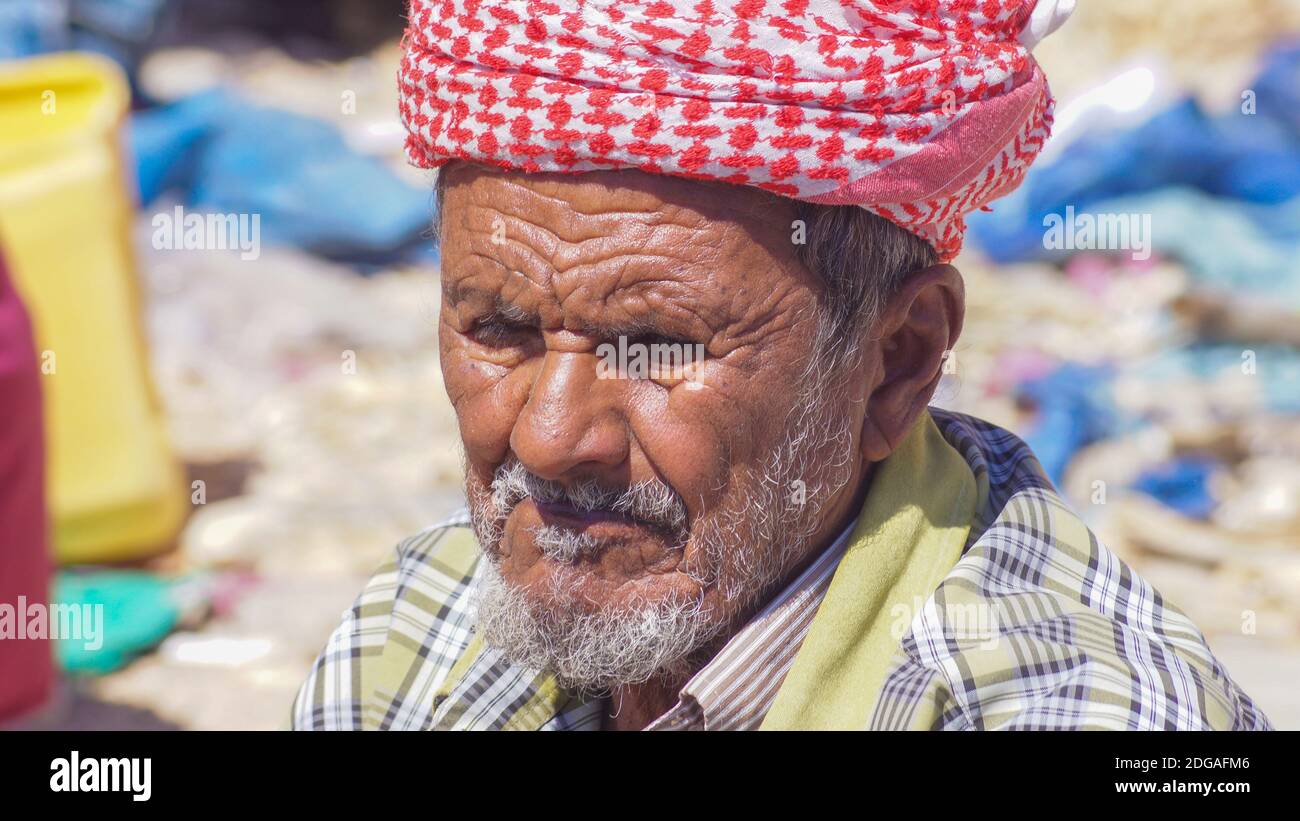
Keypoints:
pixel 1073 639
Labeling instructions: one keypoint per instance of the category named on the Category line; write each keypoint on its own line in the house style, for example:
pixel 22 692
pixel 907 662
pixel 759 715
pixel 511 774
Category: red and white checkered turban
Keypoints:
pixel 917 110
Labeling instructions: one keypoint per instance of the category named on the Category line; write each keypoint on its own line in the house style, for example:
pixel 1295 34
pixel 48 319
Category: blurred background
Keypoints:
pixel 239 426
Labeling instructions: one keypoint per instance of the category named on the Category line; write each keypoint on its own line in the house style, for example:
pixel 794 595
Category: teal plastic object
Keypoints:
pixel 123 613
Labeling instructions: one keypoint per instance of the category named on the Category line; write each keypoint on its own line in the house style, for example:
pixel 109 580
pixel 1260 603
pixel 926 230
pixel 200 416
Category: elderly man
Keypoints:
pixel 695 302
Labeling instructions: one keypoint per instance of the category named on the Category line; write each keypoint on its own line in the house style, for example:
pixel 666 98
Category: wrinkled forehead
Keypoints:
pixel 605 238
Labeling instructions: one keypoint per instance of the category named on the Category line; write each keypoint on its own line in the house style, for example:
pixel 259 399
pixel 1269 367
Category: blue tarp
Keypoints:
pixel 1182 484
pixel 1073 409
pixel 220 153
pixel 1249 156
pixel 115 28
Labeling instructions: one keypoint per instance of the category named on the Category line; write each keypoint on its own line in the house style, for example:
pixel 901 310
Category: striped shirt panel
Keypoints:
pixel 735 690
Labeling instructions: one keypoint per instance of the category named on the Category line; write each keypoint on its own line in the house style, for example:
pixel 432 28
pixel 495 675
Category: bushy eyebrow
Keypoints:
pixel 458 293
pixel 509 312
pixel 629 328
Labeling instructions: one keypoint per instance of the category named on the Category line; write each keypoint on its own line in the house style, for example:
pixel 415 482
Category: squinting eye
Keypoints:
pixel 497 334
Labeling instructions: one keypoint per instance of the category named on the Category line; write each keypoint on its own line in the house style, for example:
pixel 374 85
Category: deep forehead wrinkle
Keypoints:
pixel 614 257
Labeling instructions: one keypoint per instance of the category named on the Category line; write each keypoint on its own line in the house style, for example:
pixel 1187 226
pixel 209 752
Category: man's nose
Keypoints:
pixel 571 421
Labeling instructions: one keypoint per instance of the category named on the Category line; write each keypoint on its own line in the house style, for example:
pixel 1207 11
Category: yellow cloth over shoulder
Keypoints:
pixel 909 535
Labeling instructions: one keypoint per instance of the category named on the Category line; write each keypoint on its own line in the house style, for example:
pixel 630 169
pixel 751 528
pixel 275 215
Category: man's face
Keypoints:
pixel 628 520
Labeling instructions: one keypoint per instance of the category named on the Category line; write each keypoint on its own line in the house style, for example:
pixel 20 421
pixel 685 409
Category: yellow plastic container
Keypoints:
pixel 116 492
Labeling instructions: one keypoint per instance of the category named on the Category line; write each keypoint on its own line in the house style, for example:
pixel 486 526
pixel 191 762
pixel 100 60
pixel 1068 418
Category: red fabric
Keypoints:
pixel 918 110
pixel 26 665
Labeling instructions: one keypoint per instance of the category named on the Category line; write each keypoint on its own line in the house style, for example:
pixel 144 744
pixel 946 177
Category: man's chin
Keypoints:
pixel 595 636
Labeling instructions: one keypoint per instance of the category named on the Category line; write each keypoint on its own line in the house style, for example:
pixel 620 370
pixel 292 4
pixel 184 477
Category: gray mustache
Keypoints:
pixel 651 501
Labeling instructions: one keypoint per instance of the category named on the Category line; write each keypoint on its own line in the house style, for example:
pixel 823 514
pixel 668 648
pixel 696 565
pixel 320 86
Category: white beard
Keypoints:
pixel 593 652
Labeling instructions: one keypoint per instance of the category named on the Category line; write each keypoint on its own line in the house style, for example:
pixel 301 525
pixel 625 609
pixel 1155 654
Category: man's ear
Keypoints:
pixel 911 340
